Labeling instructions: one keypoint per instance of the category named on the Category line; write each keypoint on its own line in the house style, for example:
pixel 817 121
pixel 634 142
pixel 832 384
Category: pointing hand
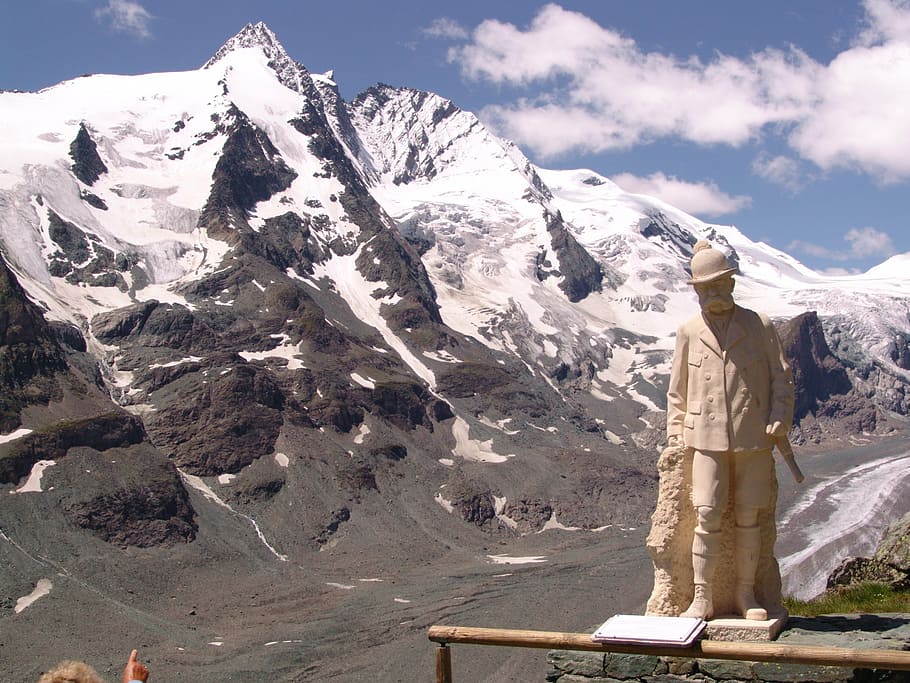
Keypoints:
pixel 135 670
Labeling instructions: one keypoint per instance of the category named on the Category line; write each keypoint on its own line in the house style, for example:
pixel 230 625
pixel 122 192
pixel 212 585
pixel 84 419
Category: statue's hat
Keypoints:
pixel 708 264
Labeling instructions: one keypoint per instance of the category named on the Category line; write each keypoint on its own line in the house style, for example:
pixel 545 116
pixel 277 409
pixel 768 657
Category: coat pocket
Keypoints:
pixel 692 409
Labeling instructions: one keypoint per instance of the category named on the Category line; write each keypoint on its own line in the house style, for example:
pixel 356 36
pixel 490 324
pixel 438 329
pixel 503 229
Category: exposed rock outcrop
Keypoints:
pixel 30 357
pixel 889 565
pixel 580 274
pixel 249 170
pixel 827 403
pixel 145 505
pixel 87 164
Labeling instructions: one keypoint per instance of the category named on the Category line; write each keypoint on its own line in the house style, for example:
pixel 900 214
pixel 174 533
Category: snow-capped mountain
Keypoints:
pixel 368 324
pixel 557 268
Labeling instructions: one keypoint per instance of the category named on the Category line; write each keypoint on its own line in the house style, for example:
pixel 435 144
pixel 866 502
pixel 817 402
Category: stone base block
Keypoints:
pixel 737 628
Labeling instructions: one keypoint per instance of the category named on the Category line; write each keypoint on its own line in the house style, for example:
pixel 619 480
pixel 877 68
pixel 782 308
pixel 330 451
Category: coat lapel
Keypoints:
pixel 706 335
pixel 735 332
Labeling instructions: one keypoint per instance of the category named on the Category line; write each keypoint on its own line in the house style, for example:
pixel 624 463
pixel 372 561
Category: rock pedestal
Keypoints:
pixel 670 545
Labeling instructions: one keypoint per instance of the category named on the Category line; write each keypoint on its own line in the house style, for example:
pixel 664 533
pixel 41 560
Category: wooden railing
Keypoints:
pixel 711 649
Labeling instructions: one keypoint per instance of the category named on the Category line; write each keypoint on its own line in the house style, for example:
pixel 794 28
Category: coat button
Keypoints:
pixel 708 378
pixel 711 416
pixel 710 399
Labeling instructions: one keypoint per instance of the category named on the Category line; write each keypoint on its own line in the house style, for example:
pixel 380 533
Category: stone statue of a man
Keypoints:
pixel 730 395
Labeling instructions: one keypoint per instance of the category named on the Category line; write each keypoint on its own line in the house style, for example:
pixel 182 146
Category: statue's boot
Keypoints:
pixel 748 545
pixel 702 604
pixel 704 552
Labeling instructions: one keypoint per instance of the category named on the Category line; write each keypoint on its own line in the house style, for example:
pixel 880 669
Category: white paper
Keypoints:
pixel 630 628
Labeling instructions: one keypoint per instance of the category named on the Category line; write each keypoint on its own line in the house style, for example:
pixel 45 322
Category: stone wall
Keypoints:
pixel 866 631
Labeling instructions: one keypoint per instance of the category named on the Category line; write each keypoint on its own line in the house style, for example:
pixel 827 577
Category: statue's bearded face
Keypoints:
pixel 716 296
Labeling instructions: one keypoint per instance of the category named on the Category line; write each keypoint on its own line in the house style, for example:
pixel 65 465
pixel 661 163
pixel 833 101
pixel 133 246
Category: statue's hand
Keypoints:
pixel 675 440
pixel 776 428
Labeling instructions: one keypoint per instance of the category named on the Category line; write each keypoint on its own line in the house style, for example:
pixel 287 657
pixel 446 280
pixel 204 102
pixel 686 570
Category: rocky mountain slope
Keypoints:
pixel 253 334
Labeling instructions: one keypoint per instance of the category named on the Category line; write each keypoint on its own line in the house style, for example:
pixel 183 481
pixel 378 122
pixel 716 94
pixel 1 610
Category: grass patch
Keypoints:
pixel 864 597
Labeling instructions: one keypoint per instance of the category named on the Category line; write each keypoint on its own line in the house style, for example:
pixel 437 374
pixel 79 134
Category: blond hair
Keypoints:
pixel 71 672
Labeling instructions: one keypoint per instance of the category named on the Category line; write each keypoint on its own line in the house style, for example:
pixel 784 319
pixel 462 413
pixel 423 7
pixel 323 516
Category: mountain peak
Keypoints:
pixel 252 35
pixel 260 35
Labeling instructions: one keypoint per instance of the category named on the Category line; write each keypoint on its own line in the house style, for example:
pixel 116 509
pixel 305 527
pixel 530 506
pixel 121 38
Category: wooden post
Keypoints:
pixel 443 664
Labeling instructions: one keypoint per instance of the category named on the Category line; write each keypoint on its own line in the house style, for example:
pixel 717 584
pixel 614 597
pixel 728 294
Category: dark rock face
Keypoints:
pixel 473 503
pixel 659 227
pixel 529 515
pixel 581 274
pixel 249 170
pixel 93 200
pixel 87 165
pixel 257 490
pixel 287 241
pixel 900 351
pixel 390 259
pixel 336 519
pixel 336 412
pixel 817 374
pixel 100 432
pixel 825 397
pixel 402 403
pixel 223 426
pixel 393 452
pixel 82 258
pixel 156 325
pixel 29 354
pixel 155 512
pixel 466 379
pixel 357 478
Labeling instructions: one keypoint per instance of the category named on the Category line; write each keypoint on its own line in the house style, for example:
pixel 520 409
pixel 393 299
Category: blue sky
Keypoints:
pixel 790 120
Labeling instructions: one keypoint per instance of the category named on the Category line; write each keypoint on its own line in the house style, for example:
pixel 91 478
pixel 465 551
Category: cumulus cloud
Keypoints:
pixel 861 243
pixel 780 170
pixel 446 28
pixel 699 199
pixel 127 16
pixel 886 20
pixel 592 89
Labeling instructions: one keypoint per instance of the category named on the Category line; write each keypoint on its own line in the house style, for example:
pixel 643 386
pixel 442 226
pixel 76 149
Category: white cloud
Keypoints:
pixel 446 28
pixel 859 120
pixel 780 170
pixel 886 20
pixel 591 89
pixel 869 242
pixel 700 199
pixel 624 96
pixel 127 16
pixel 862 243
